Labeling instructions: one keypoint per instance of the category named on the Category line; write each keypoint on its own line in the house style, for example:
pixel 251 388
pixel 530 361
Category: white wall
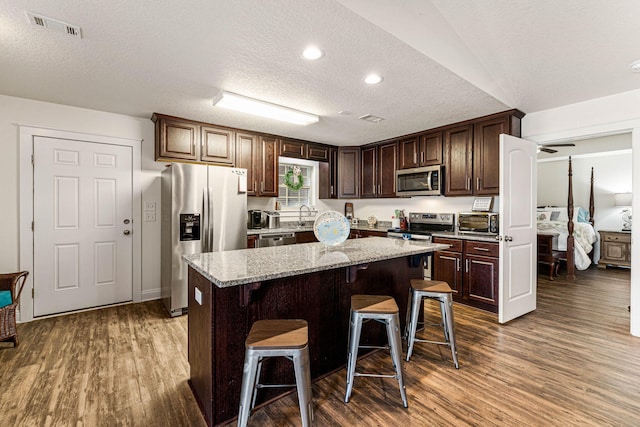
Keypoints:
pixel 19 111
pixel 602 116
pixel 612 174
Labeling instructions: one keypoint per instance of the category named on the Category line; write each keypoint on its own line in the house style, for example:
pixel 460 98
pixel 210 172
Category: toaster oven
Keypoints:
pixel 478 223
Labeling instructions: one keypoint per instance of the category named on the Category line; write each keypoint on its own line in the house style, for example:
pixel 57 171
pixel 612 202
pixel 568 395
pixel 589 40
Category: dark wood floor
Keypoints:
pixel 571 362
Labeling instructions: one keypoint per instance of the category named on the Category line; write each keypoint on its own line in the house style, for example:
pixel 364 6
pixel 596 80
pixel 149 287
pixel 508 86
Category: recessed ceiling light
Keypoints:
pixel 371 118
pixel 373 79
pixel 312 53
pixel 635 66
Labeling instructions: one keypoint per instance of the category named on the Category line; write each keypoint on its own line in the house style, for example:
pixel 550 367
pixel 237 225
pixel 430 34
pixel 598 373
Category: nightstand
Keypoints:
pixel 615 248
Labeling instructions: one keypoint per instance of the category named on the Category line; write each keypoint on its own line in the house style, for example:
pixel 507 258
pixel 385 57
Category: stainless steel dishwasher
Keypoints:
pixel 275 239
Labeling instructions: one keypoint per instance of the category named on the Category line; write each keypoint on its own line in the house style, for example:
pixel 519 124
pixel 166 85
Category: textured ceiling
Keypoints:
pixel 442 60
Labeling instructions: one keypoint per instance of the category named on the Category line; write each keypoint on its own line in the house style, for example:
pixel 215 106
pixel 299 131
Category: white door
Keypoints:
pixel 518 195
pixel 82 202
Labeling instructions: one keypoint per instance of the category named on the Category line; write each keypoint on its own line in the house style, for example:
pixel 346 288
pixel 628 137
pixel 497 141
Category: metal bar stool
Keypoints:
pixel 276 338
pixel 383 309
pixel 441 292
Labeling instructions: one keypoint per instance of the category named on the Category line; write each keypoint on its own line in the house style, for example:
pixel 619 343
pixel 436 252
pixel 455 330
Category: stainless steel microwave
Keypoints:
pixel 478 222
pixel 425 181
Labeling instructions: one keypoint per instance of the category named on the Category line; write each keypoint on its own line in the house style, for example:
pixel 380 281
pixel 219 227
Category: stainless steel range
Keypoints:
pixel 421 226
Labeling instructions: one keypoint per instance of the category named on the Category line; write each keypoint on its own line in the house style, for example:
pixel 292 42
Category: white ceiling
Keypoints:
pixel 442 60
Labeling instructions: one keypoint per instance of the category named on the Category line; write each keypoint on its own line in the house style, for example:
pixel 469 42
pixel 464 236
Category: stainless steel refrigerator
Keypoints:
pixel 204 209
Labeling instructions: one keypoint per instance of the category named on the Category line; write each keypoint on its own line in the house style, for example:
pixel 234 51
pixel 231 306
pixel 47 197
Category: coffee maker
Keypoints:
pixel 255 219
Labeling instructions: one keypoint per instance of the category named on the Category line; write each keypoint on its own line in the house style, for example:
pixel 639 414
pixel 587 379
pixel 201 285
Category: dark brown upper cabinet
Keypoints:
pixel 258 155
pixel 378 168
pixel 181 139
pixel 218 145
pixel 176 138
pixel 472 153
pixel 420 150
pixel 291 148
pixel 328 175
pixel 268 166
pixel 348 172
pixel 458 163
pixel 318 152
pixel 247 146
pixel 486 150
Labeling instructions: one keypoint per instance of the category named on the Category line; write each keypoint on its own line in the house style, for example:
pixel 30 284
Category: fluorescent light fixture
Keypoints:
pixel 263 109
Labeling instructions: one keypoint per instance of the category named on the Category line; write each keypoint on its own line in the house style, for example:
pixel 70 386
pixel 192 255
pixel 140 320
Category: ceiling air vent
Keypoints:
pixel 371 118
pixel 54 24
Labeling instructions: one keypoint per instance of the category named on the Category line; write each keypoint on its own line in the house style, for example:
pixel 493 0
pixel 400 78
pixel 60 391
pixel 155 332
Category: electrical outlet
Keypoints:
pixel 149 216
pixel 149 206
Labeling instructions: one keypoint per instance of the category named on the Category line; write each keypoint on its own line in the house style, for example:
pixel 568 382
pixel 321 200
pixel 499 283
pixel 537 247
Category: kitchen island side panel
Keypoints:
pixel 322 298
pixel 199 347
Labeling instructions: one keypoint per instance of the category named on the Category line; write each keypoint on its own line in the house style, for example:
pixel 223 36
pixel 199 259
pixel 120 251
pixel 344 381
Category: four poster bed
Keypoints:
pixel 573 227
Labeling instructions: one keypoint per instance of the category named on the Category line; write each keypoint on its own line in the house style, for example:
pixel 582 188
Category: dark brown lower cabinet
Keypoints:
pixel 470 268
pixel 356 233
pixel 305 237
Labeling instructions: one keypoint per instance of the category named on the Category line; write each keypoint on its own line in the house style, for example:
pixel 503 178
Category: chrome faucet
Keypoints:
pixel 300 222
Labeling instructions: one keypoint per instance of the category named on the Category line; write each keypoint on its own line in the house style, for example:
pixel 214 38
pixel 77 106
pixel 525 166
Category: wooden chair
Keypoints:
pixel 14 283
pixel 546 254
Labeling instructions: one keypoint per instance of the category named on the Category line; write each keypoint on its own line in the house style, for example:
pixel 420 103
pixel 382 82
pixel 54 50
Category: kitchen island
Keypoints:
pixel 228 291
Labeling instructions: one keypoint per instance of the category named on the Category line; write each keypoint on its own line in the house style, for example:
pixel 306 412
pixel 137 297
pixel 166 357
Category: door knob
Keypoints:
pixel 126 232
pixel 126 221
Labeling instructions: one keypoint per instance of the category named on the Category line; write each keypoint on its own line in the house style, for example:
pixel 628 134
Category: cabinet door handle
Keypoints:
pixel 477 183
pixel 331 191
pixel 415 157
pixel 458 263
pixel 422 157
pixel 468 186
pixel 379 190
pixel 481 249
pixel 255 186
pixel 466 265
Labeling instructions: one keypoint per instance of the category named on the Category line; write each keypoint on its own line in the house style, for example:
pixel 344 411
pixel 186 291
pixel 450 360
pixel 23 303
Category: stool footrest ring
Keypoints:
pixel 359 374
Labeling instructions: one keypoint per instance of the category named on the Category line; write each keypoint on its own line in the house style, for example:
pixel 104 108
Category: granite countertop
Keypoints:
pixel 233 268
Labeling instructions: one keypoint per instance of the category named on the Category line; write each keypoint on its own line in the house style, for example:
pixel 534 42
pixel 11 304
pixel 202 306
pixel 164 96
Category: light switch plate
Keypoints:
pixel 149 206
pixel 149 216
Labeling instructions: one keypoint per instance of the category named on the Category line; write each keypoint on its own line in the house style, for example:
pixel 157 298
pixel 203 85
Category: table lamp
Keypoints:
pixel 624 200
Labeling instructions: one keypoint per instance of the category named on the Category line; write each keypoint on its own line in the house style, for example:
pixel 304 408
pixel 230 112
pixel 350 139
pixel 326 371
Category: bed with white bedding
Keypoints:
pixel 579 233
pixel 584 238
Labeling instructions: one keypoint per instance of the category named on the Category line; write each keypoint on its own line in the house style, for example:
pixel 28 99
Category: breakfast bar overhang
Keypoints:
pixel 228 291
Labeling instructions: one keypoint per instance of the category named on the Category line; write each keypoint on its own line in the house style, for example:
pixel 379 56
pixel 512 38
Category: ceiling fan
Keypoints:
pixel 546 149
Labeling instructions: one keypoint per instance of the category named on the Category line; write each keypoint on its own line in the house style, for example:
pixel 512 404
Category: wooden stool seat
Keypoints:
pixel 291 333
pixel 373 304
pixel 431 286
